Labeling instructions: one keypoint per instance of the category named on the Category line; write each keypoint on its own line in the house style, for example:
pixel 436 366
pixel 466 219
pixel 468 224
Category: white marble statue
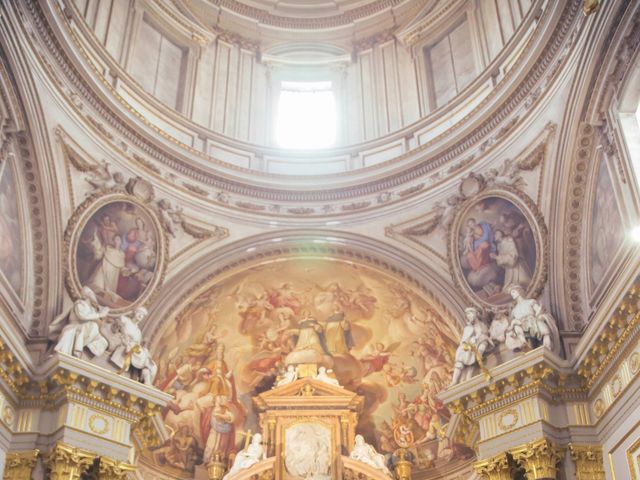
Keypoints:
pixel 499 327
pixel 130 352
pixel 365 453
pixel 530 322
pixel 80 327
pixel 248 457
pixel 323 376
pixel 475 341
pixel 290 376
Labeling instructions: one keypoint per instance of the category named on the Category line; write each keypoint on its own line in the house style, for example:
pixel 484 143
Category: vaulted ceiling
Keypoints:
pixel 520 115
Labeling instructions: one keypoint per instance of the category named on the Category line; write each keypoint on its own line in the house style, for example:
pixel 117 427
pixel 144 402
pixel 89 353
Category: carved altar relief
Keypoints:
pixel 308 425
pixel 308 451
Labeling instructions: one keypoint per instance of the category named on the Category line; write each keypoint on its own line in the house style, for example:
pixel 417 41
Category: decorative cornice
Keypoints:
pixel 614 338
pixel 301 23
pixel 474 138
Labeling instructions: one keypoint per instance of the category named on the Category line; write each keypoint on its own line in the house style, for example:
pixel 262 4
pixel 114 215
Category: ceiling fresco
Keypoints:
pixel 381 339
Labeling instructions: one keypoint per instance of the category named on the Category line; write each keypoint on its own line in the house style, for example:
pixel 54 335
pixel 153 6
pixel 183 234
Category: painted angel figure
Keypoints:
pixel 377 358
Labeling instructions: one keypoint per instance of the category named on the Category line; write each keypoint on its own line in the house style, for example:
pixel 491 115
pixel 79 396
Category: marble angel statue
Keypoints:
pixel 323 376
pixel 131 352
pixel 475 341
pixel 289 376
pixel 79 328
pixel 247 458
pixel 365 453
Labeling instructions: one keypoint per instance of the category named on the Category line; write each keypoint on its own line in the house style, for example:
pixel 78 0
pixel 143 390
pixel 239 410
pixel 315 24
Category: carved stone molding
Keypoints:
pixel 588 460
pixel 574 221
pixel 540 459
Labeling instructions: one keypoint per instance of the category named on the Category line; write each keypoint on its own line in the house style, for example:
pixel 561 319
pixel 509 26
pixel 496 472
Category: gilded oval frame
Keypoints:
pixel 535 219
pixel 78 222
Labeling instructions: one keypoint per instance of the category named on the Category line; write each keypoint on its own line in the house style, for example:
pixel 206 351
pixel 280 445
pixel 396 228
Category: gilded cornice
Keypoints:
pixel 389 187
pixel 614 339
pixel 536 373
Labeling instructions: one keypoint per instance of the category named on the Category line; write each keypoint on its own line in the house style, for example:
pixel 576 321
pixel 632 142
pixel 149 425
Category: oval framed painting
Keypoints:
pixel 117 249
pixel 498 240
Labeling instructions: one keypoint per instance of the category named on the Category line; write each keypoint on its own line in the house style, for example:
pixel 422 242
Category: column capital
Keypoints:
pixel 113 470
pixel 539 459
pixel 588 460
pixel 68 463
pixel 494 468
pixel 19 465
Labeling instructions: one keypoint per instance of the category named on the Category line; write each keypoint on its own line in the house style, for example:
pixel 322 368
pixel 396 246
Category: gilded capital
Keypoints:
pixel 19 465
pixel 588 460
pixel 65 462
pixel 539 459
pixel 114 470
pixel 403 466
pixel 216 469
pixel 494 468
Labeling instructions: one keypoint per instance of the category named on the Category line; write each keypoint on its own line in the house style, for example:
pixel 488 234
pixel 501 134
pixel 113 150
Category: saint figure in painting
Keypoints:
pixel 516 271
pixel 310 346
pixel 107 274
pixel 479 244
pixel 337 332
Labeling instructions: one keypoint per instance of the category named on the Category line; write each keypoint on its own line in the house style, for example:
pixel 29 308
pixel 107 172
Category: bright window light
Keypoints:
pixel 306 115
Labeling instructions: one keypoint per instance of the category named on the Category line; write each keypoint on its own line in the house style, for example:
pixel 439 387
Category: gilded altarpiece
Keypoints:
pixel 308 416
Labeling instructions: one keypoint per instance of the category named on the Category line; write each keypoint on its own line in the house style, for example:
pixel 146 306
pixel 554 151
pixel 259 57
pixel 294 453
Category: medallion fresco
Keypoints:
pixel 11 232
pixel 379 338
pixel 496 249
pixel 116 253
pixel 606 226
